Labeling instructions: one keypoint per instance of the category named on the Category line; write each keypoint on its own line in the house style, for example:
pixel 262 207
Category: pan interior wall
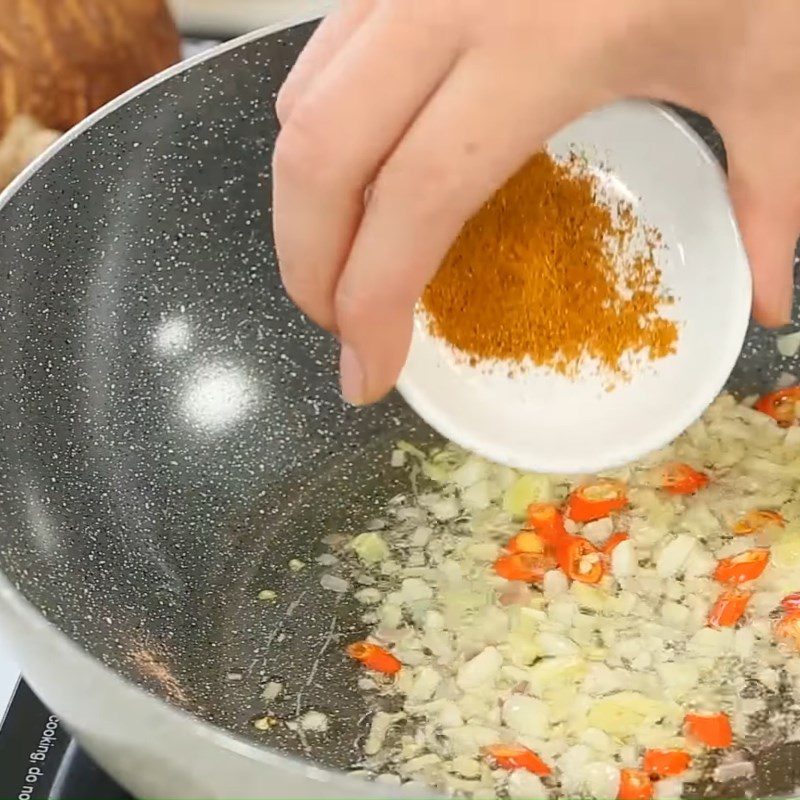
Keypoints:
pixel 172 433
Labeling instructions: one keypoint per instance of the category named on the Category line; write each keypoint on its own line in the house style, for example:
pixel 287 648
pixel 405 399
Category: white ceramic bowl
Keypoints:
pixel 542 421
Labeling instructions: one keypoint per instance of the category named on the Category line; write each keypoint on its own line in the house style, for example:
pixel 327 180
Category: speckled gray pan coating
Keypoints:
pixel 171 428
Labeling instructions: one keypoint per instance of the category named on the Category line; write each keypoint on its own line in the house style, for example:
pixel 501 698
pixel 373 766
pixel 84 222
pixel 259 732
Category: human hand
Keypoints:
pixel 402 117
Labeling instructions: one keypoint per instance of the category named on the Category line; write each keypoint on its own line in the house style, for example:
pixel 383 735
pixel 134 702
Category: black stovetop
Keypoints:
pixel 39 760
pixel 79 777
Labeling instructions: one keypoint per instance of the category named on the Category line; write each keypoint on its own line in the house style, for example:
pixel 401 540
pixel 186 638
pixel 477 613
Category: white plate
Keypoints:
pixel 545 422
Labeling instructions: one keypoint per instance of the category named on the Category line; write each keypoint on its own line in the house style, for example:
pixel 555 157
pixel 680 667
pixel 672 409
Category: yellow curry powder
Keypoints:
pixel 545 271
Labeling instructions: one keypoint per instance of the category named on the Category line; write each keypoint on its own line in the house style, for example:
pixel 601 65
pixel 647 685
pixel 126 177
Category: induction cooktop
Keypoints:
pixel 38 758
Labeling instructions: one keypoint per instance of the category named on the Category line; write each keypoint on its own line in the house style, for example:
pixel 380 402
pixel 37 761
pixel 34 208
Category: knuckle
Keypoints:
pixel 431 192
pixel 354 307
pixel 310 296
pixel 302 152
pixel 371 304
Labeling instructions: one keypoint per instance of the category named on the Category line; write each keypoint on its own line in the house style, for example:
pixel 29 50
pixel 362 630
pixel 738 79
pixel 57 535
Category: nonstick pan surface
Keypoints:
pixel 172 433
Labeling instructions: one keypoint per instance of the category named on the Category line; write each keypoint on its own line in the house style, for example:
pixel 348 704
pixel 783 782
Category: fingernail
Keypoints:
pixel 351 376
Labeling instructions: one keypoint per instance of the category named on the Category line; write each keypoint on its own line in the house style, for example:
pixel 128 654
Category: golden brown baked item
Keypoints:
pixel 62 59
pixel 24 140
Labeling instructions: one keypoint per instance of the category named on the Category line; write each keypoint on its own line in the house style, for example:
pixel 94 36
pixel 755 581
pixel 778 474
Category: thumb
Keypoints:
pixel 768 210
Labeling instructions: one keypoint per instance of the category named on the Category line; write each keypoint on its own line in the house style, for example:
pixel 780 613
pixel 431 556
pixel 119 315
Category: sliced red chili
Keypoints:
pixel 787 629
pixel 613 541
pixel 791 602
pixel 746 566
pixel 782 405
pixel 526 542
pixel 634 784
pixel 580 559
pixel 666 763
pixel 594 501
pixel 678 478
pixel 374 657
pixel 757 520
pixel 509 756
pixel 525 567
pixel 729 608
pixel 712 730
pixel 547 521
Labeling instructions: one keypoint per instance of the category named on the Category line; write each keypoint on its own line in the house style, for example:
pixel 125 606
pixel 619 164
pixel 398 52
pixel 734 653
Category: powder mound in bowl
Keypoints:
pixel 549 273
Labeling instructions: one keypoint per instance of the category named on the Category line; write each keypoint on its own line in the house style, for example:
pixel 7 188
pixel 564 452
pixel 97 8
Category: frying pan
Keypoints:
pixel 172 436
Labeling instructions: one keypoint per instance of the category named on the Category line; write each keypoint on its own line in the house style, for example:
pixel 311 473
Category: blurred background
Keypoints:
pixel 59 61
pixel 232 17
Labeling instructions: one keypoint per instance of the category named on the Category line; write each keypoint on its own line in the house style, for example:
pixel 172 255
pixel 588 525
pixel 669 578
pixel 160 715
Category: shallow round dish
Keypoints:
pixel 539 420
